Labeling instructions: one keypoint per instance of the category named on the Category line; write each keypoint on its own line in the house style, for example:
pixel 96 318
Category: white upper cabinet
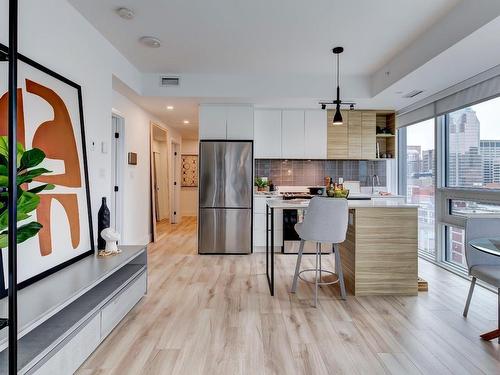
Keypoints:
pixel 239 122
pixel 267 133
pixel 226 122
pixel 315 134
pixel 212 122
pixel 292 134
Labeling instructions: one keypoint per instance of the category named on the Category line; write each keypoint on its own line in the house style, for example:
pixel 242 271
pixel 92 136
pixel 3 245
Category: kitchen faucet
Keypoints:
pixel 375 178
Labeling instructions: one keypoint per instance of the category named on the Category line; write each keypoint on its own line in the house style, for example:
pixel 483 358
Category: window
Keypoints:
pixel 473 146
pixel 466 208
pixel 455 246
pixel 420 181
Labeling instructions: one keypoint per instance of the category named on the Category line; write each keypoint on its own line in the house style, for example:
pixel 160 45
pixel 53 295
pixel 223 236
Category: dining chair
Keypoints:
pixel 325 220
pixel 481 265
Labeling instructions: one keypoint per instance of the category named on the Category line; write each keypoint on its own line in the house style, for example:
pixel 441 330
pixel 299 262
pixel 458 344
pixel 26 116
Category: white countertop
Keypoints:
pixel 303 203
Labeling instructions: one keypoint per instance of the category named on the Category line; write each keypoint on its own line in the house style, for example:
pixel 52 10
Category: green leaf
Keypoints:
pixel 4 160
pixel 24 232
pixel 40 188
pixel 4 146
pixel 27 231
pixel 30 175
pixel 31 158
pixel 27 202
pixel 20 153
pixel 4 181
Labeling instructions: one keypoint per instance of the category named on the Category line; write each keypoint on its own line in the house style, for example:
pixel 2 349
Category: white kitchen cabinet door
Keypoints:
pixel 239 122
pixel 315 131
pixel 212 122
pixel 267 134
pixel 292 137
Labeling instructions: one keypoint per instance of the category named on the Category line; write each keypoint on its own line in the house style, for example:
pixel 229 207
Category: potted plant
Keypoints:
pixel 261 184
pixel 27 199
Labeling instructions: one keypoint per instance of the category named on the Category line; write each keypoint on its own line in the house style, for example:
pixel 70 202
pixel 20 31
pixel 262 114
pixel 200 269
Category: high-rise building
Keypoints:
pixel 465 164
pixel 490 156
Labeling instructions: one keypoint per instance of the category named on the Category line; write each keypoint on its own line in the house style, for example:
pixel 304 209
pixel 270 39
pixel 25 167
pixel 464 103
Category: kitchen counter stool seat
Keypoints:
pixel 325 221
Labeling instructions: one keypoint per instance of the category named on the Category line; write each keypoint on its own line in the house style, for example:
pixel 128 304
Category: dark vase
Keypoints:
pixel 103 222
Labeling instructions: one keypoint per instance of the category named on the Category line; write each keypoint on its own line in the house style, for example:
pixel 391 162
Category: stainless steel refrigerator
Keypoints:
pixel 226 196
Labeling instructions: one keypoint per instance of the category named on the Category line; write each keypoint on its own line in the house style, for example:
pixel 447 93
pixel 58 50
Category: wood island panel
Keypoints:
pixel 379 256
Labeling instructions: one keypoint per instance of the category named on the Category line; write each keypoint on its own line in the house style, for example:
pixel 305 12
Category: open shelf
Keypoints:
pixel 386 140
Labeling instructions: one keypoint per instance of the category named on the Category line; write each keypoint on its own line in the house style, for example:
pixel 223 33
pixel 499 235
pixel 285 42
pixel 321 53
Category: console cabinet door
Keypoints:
pixel 292 137
pixel 315 134
pixel 267 134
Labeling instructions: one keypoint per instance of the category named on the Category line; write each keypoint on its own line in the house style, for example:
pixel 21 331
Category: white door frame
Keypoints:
pixel 175 182
pixel 117 170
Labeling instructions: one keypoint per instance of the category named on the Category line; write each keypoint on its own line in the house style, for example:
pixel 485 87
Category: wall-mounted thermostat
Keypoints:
pixel 132 158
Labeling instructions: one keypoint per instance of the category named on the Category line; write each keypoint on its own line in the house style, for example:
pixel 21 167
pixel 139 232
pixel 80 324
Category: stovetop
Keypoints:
pixel 296 195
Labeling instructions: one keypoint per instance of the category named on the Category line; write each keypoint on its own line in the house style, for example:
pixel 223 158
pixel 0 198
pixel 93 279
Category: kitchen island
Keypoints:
pixel 379 256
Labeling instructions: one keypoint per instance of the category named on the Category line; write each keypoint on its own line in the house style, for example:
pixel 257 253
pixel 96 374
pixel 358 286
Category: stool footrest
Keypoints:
pixel 322 271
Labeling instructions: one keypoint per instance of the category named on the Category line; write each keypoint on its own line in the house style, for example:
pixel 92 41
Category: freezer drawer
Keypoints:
pixel 225 231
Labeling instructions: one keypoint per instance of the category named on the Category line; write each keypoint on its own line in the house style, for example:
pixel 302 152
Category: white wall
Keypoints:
pixel 54 34
pixel 189 195
pixel 136 186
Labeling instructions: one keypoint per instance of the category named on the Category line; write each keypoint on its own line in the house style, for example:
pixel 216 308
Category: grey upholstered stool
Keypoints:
pixel 325 221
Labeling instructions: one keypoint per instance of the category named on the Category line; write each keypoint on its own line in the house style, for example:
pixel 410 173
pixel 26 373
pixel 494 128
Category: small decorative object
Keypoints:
pixel 111 237
pixel 103 221
pixel 132 158
pixel 261 183
pixel 189 170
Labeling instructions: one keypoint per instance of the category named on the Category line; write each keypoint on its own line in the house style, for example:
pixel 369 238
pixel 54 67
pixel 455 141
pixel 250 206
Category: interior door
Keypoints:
pixel 156 165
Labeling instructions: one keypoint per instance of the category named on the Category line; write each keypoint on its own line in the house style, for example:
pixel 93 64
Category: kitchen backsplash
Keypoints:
pixel 313 172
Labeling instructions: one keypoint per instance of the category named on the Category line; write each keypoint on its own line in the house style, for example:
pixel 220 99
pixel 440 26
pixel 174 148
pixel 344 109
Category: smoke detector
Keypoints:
pixel 125 13
pixel 150 41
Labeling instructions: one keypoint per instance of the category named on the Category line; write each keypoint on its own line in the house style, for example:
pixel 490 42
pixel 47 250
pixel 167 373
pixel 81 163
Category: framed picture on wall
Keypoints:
pixel 189 171
pixel 50 117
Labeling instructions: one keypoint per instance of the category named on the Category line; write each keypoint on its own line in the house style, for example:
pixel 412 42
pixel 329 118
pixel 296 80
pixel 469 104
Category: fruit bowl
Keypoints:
pixel 344 193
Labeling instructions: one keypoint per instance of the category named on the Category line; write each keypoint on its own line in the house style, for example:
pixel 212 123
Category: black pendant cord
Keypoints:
pixel 12 186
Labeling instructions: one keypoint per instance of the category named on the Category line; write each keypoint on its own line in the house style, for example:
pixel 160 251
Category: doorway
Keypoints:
pixel 160 199
pixel 176 185
pixel 117 168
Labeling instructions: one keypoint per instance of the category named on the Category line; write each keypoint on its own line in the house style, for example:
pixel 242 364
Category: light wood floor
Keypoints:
pixel 214 315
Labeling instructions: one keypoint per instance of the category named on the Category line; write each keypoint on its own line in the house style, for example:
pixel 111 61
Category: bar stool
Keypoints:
pixel 324 221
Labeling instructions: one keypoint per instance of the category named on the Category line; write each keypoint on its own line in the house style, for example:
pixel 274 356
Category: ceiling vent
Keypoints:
pixel 169 81
pixel 413 93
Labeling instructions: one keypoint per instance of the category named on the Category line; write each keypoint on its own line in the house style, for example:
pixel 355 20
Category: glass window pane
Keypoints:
pixel 455 248
pixel 466 208
pixel 473 146
pixel 421 175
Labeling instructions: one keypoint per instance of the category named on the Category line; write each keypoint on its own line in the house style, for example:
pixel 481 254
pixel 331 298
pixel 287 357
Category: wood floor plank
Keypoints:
pixel 214 315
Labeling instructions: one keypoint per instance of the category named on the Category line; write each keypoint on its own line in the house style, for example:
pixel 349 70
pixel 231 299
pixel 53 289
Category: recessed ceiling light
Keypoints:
pixel 170 107
pixel 150 41
pixel 186 122
pixel 125 13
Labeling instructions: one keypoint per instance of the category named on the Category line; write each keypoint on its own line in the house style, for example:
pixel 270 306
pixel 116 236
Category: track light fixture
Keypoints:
pixel 337 118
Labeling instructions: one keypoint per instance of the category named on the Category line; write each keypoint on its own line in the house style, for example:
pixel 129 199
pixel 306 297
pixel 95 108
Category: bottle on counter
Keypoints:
pixel 271 185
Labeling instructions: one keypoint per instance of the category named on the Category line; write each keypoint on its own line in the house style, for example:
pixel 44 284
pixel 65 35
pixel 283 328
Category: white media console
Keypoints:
pixel 64 317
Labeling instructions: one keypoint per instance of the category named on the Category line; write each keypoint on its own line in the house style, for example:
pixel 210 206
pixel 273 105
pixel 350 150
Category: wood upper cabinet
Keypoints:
pixel 368 138
pixel 267 133
pixel 315 144
pixel 338 137
pixel 354 131
pixel 292 134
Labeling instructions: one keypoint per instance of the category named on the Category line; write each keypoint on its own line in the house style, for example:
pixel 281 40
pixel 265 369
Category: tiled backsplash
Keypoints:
pixel 313 172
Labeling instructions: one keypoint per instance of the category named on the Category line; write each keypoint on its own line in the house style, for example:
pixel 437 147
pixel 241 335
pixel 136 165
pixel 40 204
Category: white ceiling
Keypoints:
pixel 263 36
pixel 277 53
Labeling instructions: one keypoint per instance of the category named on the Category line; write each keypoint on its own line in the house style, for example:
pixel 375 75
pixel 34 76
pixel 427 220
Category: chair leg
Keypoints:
pixel 469 297
pixel 319 245
pixel 338 270
pixel 297 267
pixel 498 312
pixel 318 255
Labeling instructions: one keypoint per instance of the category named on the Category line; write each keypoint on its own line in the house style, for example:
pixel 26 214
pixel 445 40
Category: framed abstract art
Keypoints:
pixel 189 170
pixel 50 117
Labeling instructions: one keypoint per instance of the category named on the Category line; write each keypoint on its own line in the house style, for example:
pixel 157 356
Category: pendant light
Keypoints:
pixel 337 117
